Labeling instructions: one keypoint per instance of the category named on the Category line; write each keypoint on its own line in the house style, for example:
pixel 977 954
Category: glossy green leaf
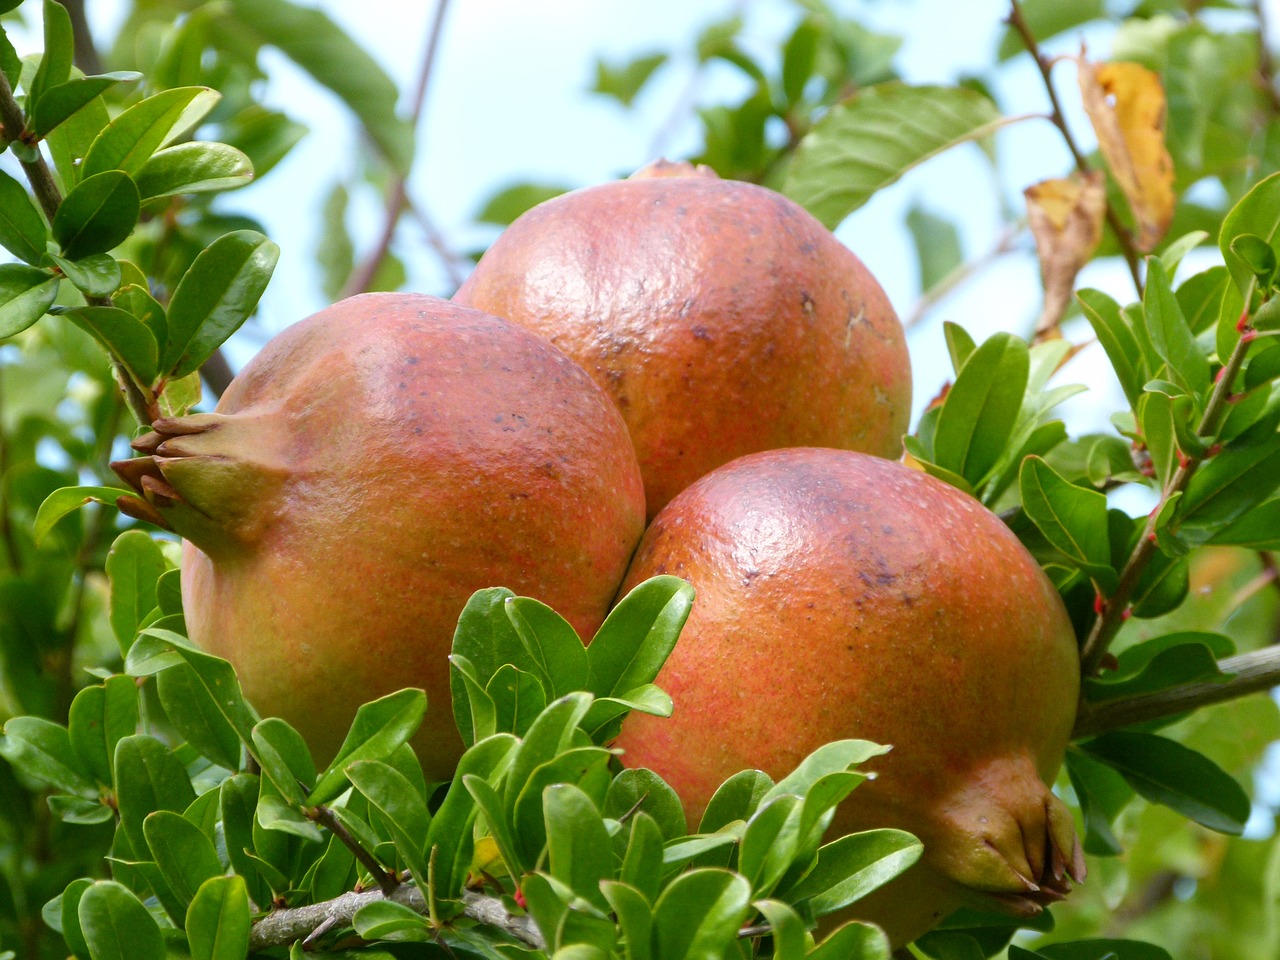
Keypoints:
pixel 1164 771
pixel 26 293
pixel 862 144
pixel 80 810
pixel 1101 793
pixel 378 730
pixel 853 941
pixel 116 926
pixel 557 651
pixel 1256 254
pixel 799 56
pixel 475 713
pixel 183 853
pixel 215 674
pixel 215 296
pixel 68 914
pixel 1117 339
pixel 786 929
pixel 1257 213
pixel 22 229
pixel 770 842
pixel 1226 487
pixel 490 804
pixel 1163 662
pixel 264 136
pixel 388 920
pixel 981 408
pixel 638 635
pixel 1072 519
pixel 124 336
pixel 148 778
pixel 624 81
pixel 578 849
pixel 1201 296
pixel 100 717
pixel 517 697
pixel 323 49
pixel 451 827
pixel 698 915
pixel 1103 949
pixel 483 642
pixel 194 167
pixel 98 214
pixel 59 52
pixel 635 919
pixel 582 766
pixel 42 749
pixel 61 102
pixel 643 857
pixel 1170 334
pixel 218 921
pixel 735 799
pixel 284 758
pixel 133 566
pixel 838 756
pixel 1155 416
pixel 851 867
pixel 391 793
pixel 96 275
pixel 129 140
pixel 637 789
pixel 549 735
pixel 677 853
pixel 196 716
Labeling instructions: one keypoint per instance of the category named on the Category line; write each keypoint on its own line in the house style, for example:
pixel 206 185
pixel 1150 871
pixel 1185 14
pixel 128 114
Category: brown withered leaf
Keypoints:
pixel 1126 104
pixel 1066 217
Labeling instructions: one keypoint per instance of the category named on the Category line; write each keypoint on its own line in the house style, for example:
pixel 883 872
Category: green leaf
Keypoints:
pixel 284 758
pixel 637 789
pixel 196 716
pixel 59 52
pixel 1102 793
pixel 735 799
pixel 215 674
pixel 137 300
pixel 1104 949
pixel 853 940
pixel 490 804
pixel 1200 297
pixel 183 853
pixel 67 500
pixel 635 919
pixel 937 246
pixel 26 293
pixel 638 635
pixel 315 43
pixel 96 275
pixel 1231 484
pixel 451 827
pixel 786 929
pixel 1047 19
pixel 391 793
pixel 480 719
pixel 215 296
pixel 100 717
pixel 517 699
pixel 558 653
pixel 1257 213
pixel 623 81
pixel 582 766
pixel 1072 519
pixel 867 142
pixel 42 749
pixel 770 842
pixel 22 229
pixel 264 136
pixel 388 920
pixel 503 207
pixel 1164 662
pixel 1117 339
pixel 378 730
pixel 1175 250
pixel 550 734
pixel 698 915
pixel 99 213
pixel 1169 333
pixel 643 857
pixel 59 103
pixel 116 926
pixel 981 408
pixel 851 867
pixel 129 141
pixel 218 921
pixel 799 56
pixel 69 915
pixel 1164 771
pixel 148 778
pixel 838 756
pixel 195 167
pixel 1256 254
pixel 124 336
pixel 71 809
pixel 133 566
pixel 578 849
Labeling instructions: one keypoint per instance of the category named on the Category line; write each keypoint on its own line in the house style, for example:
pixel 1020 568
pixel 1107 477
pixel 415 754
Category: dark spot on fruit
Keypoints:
pixel 701 333
pixel 411 360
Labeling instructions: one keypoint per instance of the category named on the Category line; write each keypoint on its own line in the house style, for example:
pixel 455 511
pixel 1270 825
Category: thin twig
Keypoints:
pixel 1253 672
pixel 362 276
pixel 86 53
pixel 329 820
pixel 1114 608
pixel 1045 66
pixel 283 927
pixel 454 263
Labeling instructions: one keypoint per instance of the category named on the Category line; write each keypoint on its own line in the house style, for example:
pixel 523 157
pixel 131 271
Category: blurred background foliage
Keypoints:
pixel 749 86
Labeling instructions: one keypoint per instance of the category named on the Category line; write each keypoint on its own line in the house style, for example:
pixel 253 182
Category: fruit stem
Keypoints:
pixel 1253 672
pixel 1109 621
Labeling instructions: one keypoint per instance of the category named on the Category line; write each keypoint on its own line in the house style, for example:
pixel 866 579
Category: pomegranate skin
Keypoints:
pixel 389 456
pixel 841 595
pixel 721 317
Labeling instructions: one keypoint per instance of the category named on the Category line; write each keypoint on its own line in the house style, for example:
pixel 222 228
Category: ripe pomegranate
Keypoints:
pixel 841 595
pixel 720 316
pixel 373 466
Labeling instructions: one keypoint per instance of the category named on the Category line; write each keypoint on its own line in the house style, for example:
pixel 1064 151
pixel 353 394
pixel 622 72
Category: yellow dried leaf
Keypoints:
pixel 1066 217
pixel 1126 104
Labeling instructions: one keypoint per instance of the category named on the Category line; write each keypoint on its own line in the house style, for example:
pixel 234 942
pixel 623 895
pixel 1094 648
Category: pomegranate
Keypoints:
pixel 720 316
pixel 842 595
pixel 373 466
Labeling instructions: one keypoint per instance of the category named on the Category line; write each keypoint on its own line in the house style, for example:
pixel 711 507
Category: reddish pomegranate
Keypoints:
pixel 720 316
pixel 373 466
pixel 842 595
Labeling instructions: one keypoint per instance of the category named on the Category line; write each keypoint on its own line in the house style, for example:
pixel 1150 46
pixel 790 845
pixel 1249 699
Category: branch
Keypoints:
pixel 1254 672
pixel 1115 607
pixel 1045 66
pixel 86 54
pixel 283 927
pixel 362 276
pixel 322 815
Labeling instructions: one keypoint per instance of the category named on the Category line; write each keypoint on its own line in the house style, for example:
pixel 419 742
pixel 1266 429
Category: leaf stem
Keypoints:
pixel 1045 66
pixel 1108 622
pixel 282 927
pixel 1255 671
pixel 327 819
